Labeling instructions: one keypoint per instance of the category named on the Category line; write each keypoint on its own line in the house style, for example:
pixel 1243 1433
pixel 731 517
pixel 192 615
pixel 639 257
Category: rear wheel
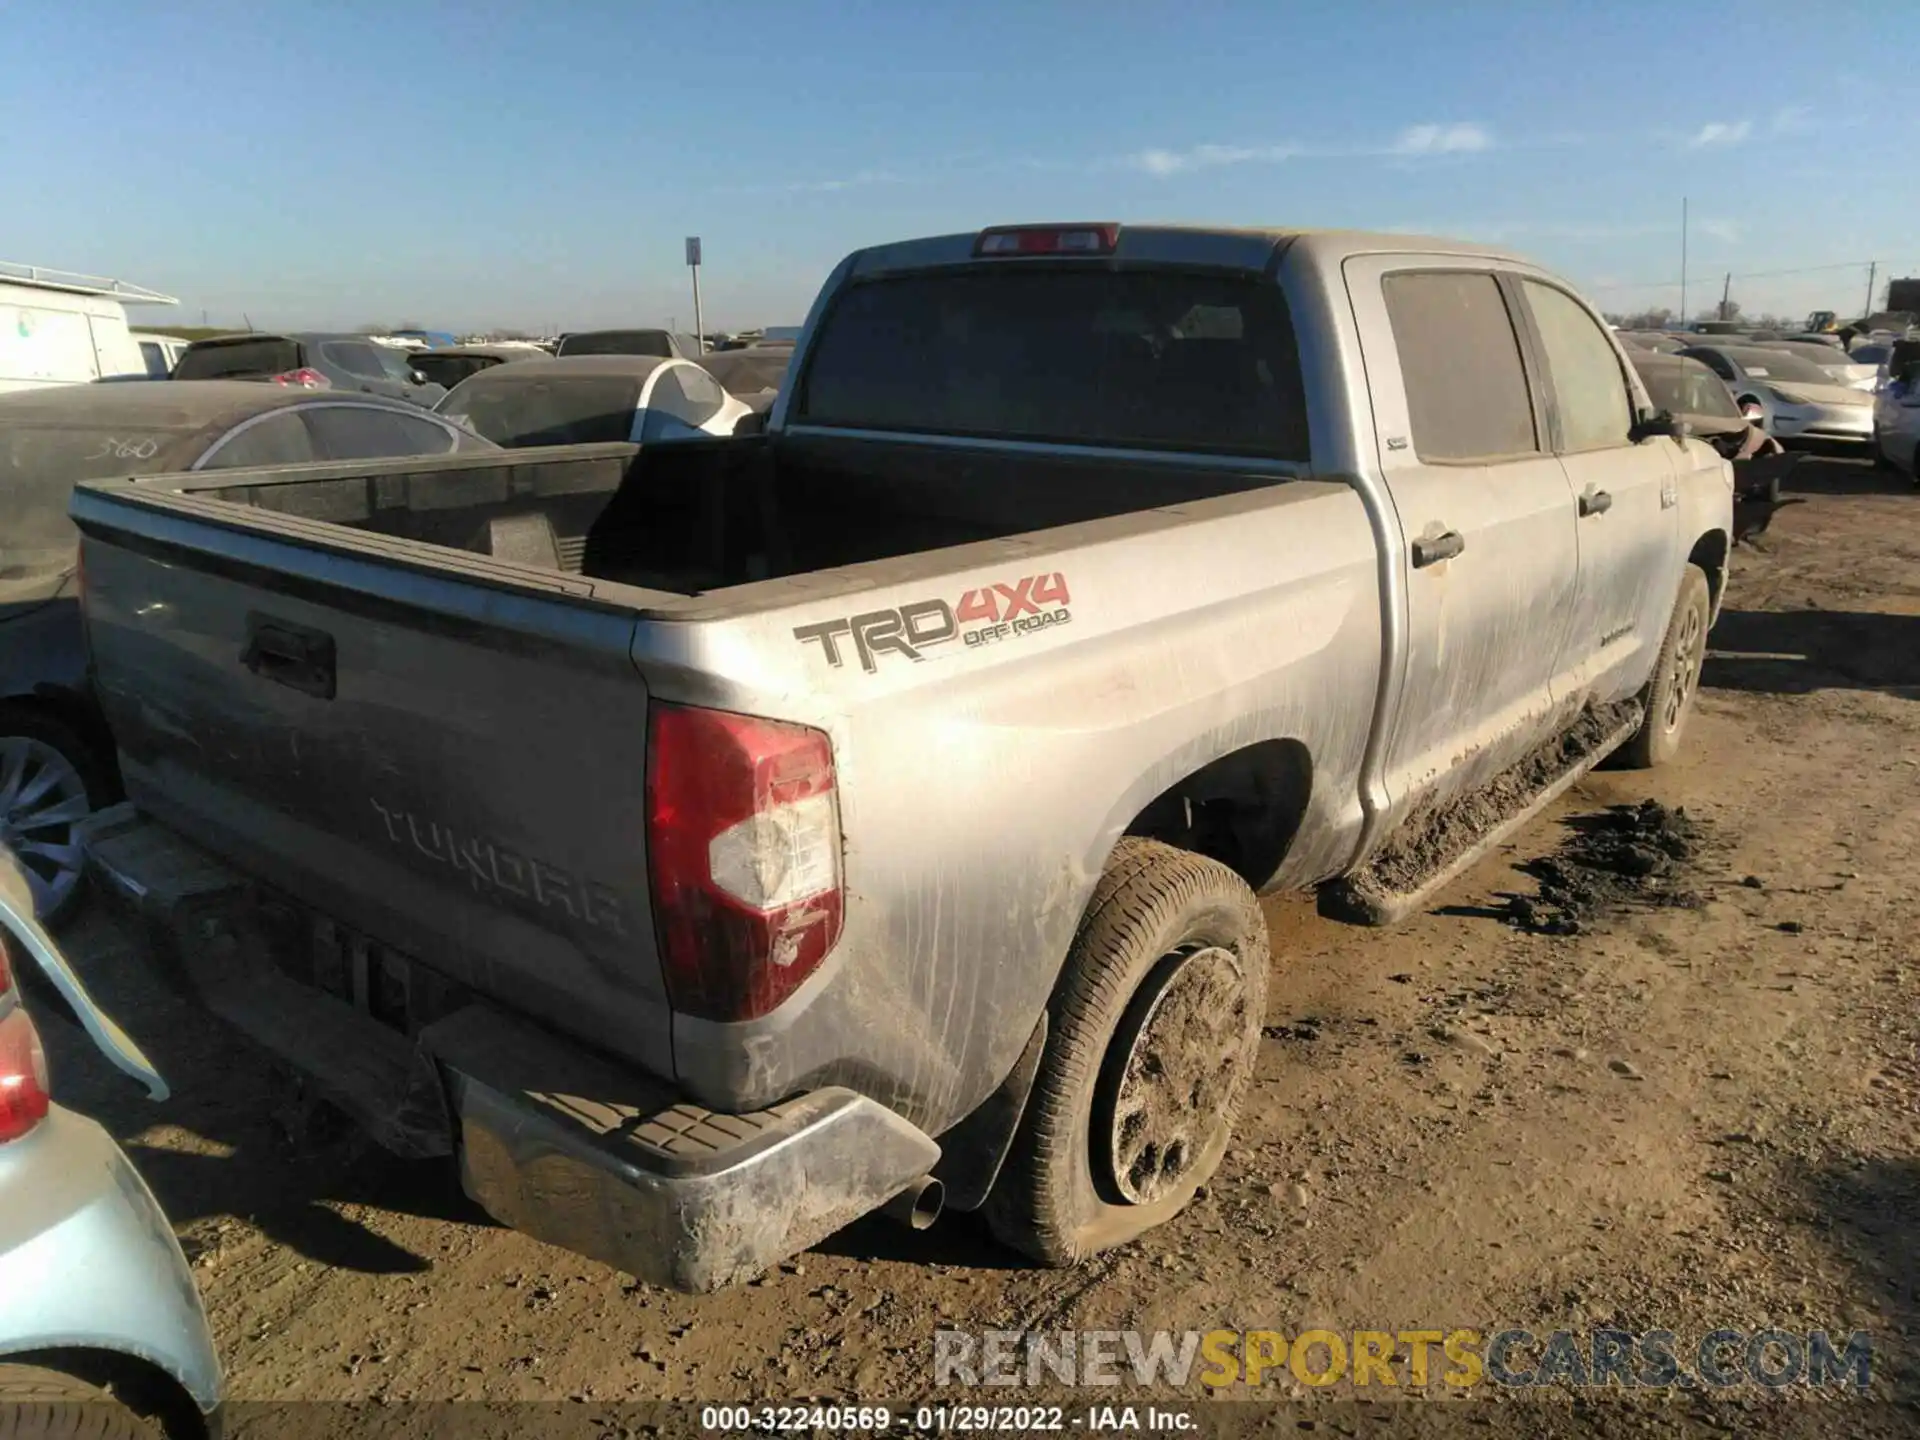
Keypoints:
pixel 40 1404
pixel 1152 1034
pixel 50 780
pixel 1676 676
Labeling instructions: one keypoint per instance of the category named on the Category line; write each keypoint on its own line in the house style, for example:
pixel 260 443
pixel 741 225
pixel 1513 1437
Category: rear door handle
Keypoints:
pixel 292 655
pixel 1440 547
pixel 1595 502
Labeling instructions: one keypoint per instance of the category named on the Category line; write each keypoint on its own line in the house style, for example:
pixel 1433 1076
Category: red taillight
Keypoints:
pixel 306 377
pixel 23 1065
pixel 1078 239
pixel 743 843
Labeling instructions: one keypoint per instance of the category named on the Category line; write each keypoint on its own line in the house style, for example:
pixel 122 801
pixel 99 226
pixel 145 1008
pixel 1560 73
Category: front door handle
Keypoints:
pixel 1441 547
pixel 1595 502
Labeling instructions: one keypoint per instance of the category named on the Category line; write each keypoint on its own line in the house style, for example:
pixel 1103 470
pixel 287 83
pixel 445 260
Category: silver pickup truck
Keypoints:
pixel 710 843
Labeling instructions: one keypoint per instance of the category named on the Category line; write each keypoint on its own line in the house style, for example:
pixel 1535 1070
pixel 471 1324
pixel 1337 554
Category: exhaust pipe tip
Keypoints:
pixel 917 1206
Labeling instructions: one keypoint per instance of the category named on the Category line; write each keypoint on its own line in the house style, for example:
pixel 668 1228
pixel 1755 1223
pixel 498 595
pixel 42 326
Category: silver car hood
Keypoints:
pixel 16 913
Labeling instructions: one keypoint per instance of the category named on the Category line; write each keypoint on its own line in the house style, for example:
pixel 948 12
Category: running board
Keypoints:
pixel 1381 892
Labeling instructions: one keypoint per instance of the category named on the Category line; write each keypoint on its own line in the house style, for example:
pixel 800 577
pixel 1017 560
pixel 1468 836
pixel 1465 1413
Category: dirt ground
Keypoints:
pixel 1684 1115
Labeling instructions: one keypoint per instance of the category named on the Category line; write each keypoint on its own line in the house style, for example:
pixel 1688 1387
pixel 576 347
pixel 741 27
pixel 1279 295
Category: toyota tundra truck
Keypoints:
pixel 710 843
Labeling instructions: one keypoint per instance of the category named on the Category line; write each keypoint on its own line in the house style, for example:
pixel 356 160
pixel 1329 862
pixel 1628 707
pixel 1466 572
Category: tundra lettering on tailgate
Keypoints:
pixel 502 873
pixel 1035 602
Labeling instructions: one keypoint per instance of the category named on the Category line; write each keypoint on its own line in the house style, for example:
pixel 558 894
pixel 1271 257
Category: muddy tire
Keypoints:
pixel 1676 677
pixel 1152 1032
pixel 39 1404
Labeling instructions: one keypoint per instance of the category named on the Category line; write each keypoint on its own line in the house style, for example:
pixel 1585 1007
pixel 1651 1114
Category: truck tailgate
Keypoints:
pixel 452 768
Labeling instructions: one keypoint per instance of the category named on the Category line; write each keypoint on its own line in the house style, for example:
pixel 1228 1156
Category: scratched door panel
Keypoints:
pixel 472 793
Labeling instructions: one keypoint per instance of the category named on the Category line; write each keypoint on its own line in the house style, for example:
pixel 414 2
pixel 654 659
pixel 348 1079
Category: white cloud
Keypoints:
pixel 1793 120
pixel 1417 140
pixel 1207 157
pixel 1720 132
pixel 1456 139
pixel 1725 231
pixel 849 182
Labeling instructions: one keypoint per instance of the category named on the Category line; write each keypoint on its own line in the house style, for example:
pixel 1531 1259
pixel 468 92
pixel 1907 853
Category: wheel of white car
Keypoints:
pixel 50 780
pixel 1676 676
pixel 1152 1033
pixel 40 1404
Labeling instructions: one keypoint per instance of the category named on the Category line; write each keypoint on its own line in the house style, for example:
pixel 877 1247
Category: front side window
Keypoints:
pixel 1467 396
pixel 1590 393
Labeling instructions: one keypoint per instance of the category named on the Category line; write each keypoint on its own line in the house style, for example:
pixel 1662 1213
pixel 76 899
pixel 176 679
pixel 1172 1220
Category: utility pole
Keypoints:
pixel 1873 274
pixel 1726 294
pixel 693 264
pixel 1683 261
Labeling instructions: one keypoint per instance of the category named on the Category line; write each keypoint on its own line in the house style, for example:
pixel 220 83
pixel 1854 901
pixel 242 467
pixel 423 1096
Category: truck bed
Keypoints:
pixel 410 698
pixel 692 518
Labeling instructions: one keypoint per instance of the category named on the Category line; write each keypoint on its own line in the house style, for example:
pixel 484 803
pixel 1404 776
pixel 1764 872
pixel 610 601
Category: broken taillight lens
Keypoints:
pixel 743 844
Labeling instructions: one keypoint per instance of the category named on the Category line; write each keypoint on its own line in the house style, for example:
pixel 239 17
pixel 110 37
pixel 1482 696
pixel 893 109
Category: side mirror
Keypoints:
pixel 418 377
pixel 1661 423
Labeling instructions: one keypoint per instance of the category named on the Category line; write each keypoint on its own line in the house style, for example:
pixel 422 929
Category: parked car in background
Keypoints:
pixel 62 328
pixel 426 339
pixel 1795 400
pixel 1688 390
pixel 160 352
pixel 1818 337
pixel 1839 367
pixel 582 399
pixel 1652 340
pixel 757 370
pixel 454 363
pixel 56 757
pixel 667 344
pixel 102 1330
pixel 873 810
pixel 312 361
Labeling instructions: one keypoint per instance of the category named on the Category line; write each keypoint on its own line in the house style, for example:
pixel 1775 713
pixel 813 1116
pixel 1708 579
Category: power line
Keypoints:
pixel 1754 275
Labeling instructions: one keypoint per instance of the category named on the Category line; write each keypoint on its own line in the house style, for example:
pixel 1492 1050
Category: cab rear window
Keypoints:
pixel 1138 359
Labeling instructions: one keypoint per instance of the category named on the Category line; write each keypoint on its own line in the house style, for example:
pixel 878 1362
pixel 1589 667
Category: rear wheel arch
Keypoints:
pixel 1243 808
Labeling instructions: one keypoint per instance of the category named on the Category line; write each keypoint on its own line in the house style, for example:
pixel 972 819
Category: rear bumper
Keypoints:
pixel 551 1139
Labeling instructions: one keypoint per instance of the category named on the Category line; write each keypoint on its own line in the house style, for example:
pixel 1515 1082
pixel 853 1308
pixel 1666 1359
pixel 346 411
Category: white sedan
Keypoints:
pixel 576 400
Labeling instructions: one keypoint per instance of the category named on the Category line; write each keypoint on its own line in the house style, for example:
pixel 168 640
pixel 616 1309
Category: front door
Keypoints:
pixel 1491 559
pixel 1626 498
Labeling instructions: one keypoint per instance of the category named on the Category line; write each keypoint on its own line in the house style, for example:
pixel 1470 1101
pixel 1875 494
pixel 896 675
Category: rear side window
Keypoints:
pixel 357 432
pixel 687 393
pixel 155 358
pixel 1467 396
pixel 1589 391
pixel 518 412
pixel 1144 359
pixel 356 357
pixel 279 439
pixel 239 359
pixel 450 370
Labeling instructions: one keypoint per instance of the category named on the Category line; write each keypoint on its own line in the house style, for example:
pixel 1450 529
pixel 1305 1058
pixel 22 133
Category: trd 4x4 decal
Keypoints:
pixel 980 617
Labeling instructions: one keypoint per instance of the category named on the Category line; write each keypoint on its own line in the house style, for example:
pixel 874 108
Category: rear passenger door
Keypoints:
pixel 1491 559
pixel 1626 499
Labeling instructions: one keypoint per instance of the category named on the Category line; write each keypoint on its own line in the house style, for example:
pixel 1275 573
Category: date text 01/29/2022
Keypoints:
pixel 940 1419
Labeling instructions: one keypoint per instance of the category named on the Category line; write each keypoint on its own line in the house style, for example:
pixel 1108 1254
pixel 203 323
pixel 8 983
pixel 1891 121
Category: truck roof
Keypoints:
pixel 1237 248
pixel 71 282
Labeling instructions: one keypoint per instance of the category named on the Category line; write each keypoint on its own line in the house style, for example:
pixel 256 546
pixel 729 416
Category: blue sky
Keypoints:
pixel 506 162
